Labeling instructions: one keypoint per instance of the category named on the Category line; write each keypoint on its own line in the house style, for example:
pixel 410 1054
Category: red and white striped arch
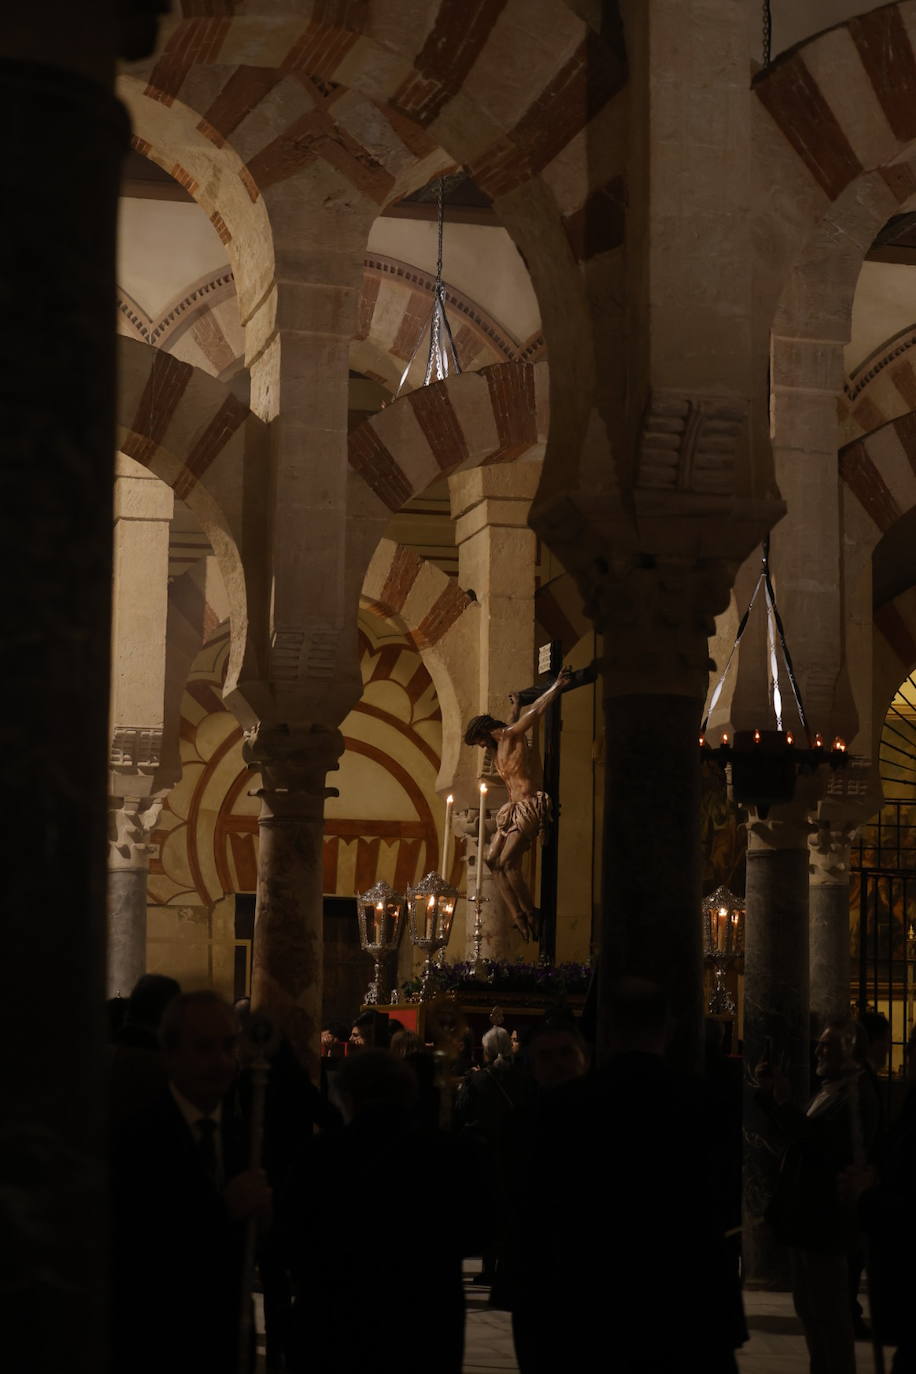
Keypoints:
pixel 882 389
pixel 880 470
pixel 491 416
pixel 515 89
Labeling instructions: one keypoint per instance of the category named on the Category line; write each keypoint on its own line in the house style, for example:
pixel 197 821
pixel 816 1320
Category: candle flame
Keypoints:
pixel 819 741
pixel 449 799
pixel 483 789
pixel 725 737
pixel 756 736
pixel 702 741
pixel 789 738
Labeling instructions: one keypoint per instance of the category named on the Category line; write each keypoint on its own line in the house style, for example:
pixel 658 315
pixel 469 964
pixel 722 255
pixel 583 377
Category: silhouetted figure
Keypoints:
pixel 181 1197
pixel 483 1102
pixel 334 1037
pixel 873 1042
pixel 355 1310
pixel 116 1010
pixel 808 1213
pixel 404 1043
pixel 369 1032
pixel 629 1257
pixel 553 1060
pixel 138 1074
pixel 293 1110
pixel 887 1212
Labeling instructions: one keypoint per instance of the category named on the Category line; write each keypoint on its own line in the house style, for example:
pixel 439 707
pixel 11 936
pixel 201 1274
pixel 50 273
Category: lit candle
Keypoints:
pixel 725 737
pixel 430 918
pixel 756 736
pixel 481 838
pixel 790 739
pixel 379 908
pixel 818 741
pixel 447 837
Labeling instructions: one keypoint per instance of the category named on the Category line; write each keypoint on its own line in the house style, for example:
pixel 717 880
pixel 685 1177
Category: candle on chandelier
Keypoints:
pixel 447 837
pixel 481 838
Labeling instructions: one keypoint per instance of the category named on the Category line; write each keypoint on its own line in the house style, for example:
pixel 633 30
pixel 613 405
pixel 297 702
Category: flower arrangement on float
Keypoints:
pixel 501 976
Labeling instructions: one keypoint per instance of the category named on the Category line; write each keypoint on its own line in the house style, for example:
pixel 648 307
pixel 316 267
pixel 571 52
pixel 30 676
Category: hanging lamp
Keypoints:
pixel 764 763
pixel 442 358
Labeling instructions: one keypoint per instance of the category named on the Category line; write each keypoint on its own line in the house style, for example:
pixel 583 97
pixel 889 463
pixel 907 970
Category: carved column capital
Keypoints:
pixel 293 761
pixel 133 758
pixel 850 796
pixel 131 821
pixel 656 616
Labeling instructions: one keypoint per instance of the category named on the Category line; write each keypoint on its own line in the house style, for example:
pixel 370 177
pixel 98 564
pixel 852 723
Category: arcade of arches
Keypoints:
pixel 261 576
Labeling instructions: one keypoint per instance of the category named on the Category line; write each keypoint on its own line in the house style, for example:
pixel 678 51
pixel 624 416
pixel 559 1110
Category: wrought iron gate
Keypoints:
pixel 883 922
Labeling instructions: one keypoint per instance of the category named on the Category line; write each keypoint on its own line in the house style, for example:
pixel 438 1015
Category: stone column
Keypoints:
pixel 655 621
pixel 496 559
pixel 143 509
pixel 287 966
pixel 775 1005
pixel 130 824
pixel 57 257
pixel 851 796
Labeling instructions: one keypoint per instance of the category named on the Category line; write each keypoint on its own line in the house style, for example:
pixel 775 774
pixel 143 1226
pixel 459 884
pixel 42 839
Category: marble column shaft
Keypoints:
pixel 652 857
pixel 131 820
pixel 289 913
pixel 57 281
pixel 775 1010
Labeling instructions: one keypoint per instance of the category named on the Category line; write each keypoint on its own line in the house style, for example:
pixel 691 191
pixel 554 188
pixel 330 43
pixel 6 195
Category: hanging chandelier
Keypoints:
pixel 763 764
pixel 442 358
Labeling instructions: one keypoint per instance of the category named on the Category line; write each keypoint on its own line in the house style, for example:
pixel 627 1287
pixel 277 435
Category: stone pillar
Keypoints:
pixel 851 796
pixel 130 824
pixel 143 509
pixel 655 621
pixel 57 257
pixel 496 559
pixel 287 966
pixel 775 1006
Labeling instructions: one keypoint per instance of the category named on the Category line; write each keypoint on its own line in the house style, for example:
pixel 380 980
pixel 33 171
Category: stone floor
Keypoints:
pixel 776 1345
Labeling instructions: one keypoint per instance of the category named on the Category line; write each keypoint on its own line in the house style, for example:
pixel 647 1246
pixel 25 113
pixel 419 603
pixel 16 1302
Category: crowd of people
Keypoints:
pixel 603 1198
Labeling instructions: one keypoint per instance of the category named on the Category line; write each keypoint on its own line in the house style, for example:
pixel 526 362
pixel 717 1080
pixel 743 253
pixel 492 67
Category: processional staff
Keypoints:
pixel 259 1034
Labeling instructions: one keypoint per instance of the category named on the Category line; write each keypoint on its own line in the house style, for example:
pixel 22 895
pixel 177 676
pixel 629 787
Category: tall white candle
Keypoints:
pixel 481 838
pixel 447 837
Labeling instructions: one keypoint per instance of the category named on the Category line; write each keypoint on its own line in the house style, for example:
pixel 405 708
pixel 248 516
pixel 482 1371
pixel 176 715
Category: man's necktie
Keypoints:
pixel 207 1129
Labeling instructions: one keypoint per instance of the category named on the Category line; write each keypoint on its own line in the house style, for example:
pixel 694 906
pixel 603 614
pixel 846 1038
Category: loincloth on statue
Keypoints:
pixel 525 817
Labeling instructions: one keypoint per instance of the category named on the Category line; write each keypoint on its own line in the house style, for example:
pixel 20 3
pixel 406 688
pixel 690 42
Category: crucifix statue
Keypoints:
pixel 528 810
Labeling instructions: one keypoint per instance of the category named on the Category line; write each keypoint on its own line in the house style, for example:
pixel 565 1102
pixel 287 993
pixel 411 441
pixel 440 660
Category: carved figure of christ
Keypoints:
pixel 527 812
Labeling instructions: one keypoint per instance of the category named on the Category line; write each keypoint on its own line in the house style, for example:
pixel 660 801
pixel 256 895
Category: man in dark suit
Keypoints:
pixel 182 1195
pixel 355 1309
